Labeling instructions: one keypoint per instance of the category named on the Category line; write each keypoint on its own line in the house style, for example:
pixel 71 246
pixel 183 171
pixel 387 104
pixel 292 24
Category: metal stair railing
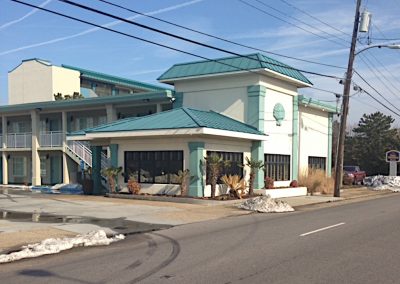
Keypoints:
pixel 84 153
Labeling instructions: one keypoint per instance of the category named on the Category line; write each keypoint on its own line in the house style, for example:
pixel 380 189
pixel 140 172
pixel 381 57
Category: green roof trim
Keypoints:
pixel 178 118
pixel 249 62
pixel 314 103
pixel 114 79
pixel 89 102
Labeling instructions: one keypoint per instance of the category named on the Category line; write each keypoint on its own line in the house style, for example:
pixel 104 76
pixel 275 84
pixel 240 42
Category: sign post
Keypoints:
pixel 392 157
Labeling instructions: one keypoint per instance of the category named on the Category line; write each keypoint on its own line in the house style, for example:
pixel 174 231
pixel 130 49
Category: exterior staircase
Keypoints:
pixel 81 153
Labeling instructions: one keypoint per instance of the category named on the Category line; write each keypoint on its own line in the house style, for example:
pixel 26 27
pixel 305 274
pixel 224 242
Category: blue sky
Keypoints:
pixel 28 33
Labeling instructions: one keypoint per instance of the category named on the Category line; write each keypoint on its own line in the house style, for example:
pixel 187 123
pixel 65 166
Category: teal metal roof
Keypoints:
pixel 89 102
pixel 114 79
pixel 174 119
pixel 231 64
pixel 306 101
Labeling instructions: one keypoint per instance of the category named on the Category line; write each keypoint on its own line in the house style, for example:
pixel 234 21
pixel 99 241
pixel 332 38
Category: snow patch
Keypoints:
pixel 55 245
pixel 266 204
pixel 383 183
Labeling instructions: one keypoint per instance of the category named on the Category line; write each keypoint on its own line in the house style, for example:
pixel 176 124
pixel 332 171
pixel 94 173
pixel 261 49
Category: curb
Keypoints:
pixel 176 199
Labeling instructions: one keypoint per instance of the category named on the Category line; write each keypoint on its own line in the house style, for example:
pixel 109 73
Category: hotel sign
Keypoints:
pixel 392 156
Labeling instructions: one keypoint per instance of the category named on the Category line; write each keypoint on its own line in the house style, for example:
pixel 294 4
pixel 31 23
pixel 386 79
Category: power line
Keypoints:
pixel 313 17
pixel 152 42
pixel 377 38
pixel 285 21
pixel 368 63
pixel 217 37
pixel 373 88
pixel 300 21
pixel 382 104
pixel 189 40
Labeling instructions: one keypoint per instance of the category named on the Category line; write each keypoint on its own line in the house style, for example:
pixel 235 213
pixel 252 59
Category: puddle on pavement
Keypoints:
pixel 119 225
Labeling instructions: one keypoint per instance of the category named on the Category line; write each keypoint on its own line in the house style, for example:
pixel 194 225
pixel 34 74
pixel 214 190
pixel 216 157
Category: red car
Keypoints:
pixel 353 175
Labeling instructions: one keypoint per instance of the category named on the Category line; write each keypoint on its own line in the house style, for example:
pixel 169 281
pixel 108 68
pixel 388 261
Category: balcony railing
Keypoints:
pixel 19 140
pixel 1 141
pixel 51 139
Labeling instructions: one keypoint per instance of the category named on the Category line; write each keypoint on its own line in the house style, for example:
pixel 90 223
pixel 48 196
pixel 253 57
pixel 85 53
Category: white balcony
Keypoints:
pixel 19 140
pixel 51 139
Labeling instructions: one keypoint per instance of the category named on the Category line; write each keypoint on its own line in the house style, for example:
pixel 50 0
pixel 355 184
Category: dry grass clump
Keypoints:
pixel 316 181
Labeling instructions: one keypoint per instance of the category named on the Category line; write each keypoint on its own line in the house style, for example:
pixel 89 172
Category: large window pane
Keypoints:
pixel 233 166
pixel 154 166
pixel 317 163
pixel 277 166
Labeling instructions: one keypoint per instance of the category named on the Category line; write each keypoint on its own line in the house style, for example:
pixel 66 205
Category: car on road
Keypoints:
pixel 353 175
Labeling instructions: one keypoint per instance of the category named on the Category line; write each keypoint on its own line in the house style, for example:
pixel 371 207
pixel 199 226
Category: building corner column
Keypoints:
pixel 96 170
pixel 178 102
pixel 295 139
pixel 114 155
pixel 111 113
pixel 256 118
pixel 329 157
pixel 257 153
pixel 65 171
pixel 197 180
pixel 4 153
pixel 35 122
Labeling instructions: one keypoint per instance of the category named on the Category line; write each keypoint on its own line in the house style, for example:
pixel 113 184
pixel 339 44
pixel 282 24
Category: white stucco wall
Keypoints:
pixel 313 135
pixel 279 137
pixel 178 144
pixel 34 81
pixel 223 94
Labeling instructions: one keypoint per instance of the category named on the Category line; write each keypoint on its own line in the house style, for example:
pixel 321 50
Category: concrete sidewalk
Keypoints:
pixel 110 213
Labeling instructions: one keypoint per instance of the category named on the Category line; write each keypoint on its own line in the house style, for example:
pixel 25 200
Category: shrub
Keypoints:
pixel 236 185
pixel 133 185
pixel 316 181
pixel 269 183
pixel 294 183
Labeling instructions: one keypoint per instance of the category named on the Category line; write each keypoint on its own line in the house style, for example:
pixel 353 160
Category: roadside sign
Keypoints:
pixel 392 156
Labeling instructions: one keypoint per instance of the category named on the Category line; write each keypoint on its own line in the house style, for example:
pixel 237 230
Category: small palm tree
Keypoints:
pixel 214 164
pixel 112 174
pixel 255 166
pixel 183 179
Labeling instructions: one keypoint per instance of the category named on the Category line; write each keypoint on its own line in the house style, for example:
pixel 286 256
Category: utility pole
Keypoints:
pixel 345 105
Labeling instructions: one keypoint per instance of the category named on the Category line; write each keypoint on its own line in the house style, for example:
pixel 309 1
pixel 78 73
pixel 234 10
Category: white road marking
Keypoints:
pixel 322 229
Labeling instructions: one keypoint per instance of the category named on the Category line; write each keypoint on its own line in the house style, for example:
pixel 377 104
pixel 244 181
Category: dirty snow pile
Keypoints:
pixel 383 183
pixel 52 245
pixel 265 204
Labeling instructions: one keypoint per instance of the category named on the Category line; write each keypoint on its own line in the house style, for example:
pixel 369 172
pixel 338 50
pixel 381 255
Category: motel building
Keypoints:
pixel 236 107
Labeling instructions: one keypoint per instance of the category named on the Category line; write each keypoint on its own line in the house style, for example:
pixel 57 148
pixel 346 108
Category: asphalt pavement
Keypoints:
pixel 348 243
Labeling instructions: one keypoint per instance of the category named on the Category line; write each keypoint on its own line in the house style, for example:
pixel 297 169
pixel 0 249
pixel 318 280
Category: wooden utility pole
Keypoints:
pixel 345 104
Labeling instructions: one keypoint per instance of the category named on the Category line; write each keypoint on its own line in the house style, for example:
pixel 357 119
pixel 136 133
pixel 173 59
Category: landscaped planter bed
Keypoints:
pixel 283 192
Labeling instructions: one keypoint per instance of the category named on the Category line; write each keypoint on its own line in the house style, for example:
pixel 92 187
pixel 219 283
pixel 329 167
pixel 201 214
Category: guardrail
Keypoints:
pixel 19 140
pixel 51 139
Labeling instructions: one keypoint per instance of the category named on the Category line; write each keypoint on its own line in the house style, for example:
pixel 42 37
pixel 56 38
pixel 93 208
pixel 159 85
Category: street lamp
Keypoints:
pixel 345 103
pixel 391 46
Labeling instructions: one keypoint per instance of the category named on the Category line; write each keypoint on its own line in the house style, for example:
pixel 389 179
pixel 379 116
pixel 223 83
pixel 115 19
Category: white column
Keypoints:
pixel 111 113
pixel 159 108
pixel 35 146
pixel 64 123
pixel 4 153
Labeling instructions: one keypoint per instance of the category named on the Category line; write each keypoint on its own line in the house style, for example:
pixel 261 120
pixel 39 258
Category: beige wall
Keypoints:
pixel 179 144
pixel 223 94
pixel 313 135
pixel 65 81
pixel 33 81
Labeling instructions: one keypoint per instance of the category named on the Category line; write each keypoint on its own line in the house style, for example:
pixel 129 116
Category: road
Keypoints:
pixel 351 243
